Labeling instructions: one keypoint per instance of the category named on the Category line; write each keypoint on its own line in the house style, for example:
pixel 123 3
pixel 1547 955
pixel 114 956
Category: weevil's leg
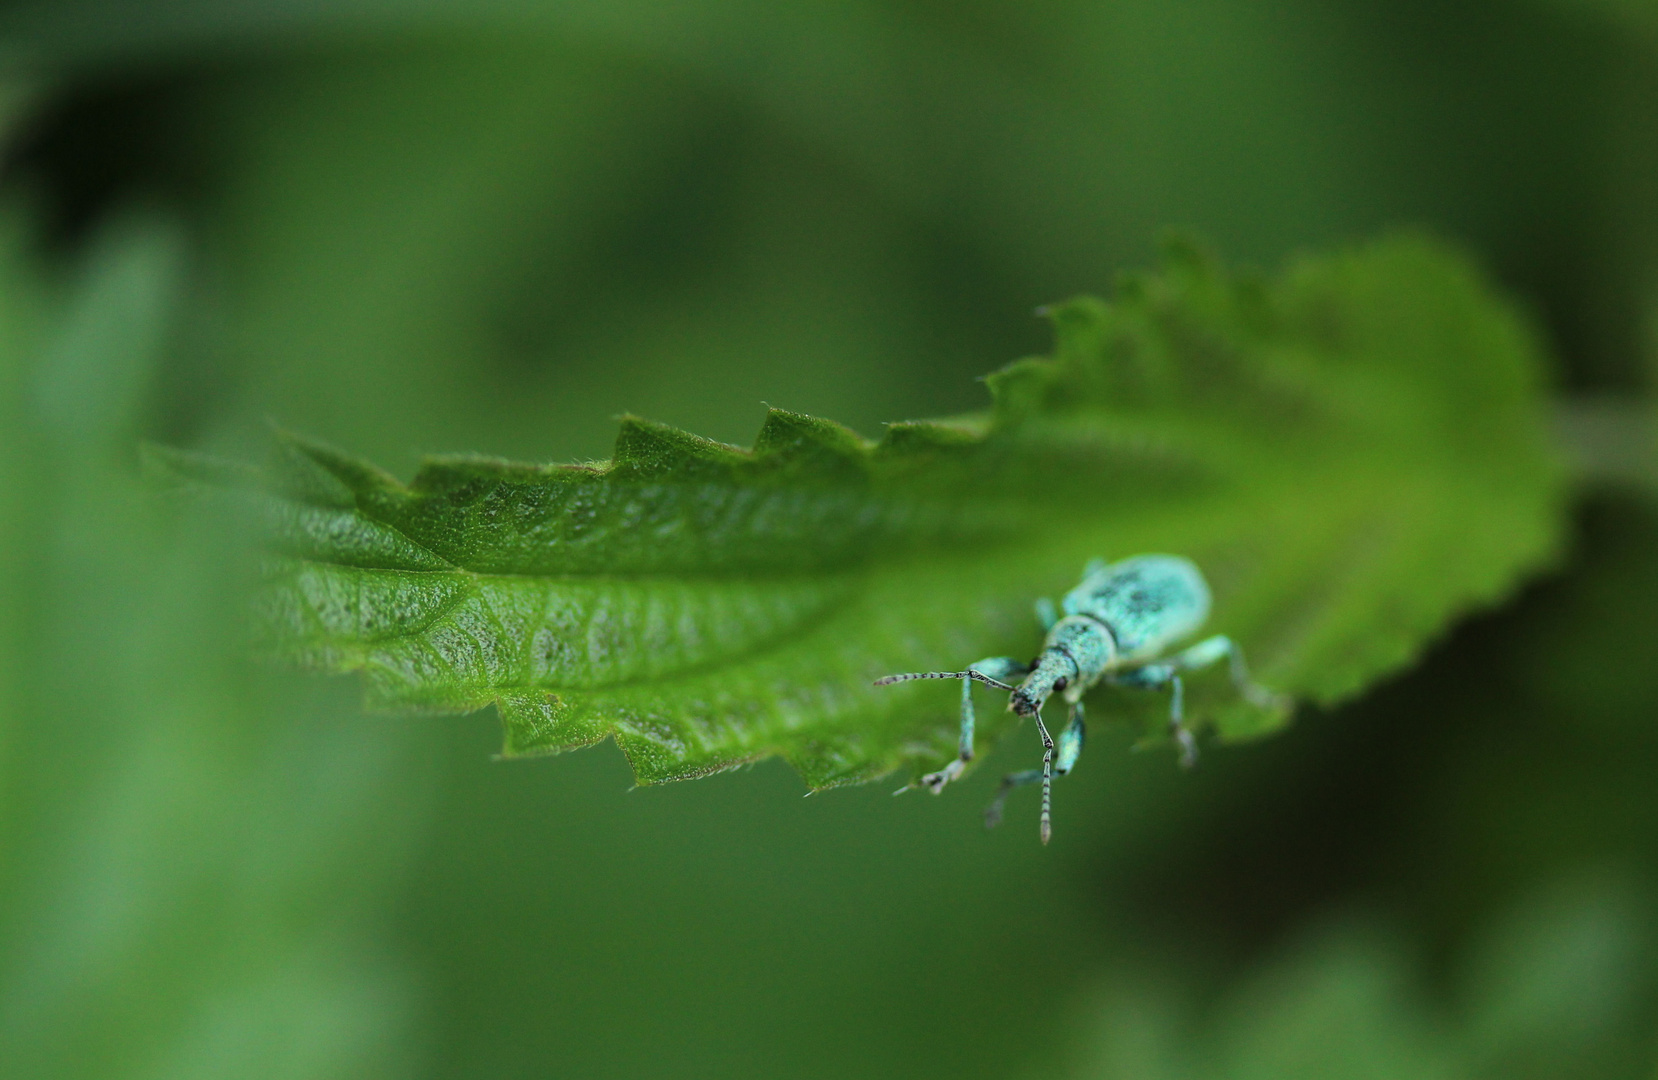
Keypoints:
pixel 1093 567
pixel 1070 741
pixel 935 781
pixel 1177 723
pixel 1047 613
pixel 1070 748
pixel 1155 677
pixel 994 668
pixel 1211 650
pixel 993 812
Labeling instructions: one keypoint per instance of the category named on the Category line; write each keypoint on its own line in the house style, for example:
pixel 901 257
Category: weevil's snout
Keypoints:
pixel 1052 672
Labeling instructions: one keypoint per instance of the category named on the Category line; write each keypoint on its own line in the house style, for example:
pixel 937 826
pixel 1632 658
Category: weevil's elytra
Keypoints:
pixel 1117 626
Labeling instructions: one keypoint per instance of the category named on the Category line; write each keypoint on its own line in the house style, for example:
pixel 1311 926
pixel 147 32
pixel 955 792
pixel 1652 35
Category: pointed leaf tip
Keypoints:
pixel 315 472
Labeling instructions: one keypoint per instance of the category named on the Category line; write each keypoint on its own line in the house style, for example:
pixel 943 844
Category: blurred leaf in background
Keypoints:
pixel 189 850
pixel 1549 991
pixel 419 227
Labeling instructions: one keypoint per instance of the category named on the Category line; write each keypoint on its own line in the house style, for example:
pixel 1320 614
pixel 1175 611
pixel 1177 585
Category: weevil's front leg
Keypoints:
pixel 996 667
pixel 1211 650
pixel 1070 748
pixel 1070 741
pixel 1047 613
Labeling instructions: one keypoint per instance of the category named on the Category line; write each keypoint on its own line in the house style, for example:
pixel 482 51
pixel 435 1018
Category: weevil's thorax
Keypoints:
pixel 1077 650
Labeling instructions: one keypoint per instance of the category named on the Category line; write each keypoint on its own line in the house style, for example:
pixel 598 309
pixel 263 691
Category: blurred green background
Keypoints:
pixel 427 225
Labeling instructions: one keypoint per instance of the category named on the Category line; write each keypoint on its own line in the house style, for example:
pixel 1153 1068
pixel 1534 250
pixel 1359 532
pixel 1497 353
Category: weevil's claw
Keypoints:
pixel 935 781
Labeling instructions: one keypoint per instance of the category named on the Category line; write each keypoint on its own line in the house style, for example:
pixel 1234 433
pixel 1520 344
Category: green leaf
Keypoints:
pixel 1355 452
pixel 1554 992
pixel 187 848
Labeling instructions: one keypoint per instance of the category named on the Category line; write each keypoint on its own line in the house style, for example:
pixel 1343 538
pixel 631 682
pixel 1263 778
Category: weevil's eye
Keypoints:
pixel 1061 684
pixel 1035 660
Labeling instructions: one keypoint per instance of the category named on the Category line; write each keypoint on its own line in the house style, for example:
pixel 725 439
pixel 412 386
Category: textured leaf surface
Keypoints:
pixel 1354 452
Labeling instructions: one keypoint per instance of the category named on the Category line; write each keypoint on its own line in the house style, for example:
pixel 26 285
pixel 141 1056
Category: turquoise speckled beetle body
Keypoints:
pixel 1116 627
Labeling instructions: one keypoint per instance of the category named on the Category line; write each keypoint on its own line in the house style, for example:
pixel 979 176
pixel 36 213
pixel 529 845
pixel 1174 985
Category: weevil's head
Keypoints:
pixel 1051 672
pixel 1078 647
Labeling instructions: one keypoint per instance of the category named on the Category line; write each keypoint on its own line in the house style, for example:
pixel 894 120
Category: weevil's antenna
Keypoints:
pixel 1047 776
pixel 976 676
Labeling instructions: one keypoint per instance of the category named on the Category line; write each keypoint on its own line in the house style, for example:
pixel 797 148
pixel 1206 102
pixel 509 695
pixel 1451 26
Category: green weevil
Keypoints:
pixel 1116 627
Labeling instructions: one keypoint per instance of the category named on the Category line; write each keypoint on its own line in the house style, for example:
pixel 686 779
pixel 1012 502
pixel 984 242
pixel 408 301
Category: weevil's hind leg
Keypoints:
pixel 1211 650
pixel 1047 613
pixel 995 669
pixel 1053 764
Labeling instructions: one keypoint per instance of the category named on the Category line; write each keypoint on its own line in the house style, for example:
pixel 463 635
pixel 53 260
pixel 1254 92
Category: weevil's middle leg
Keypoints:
pixel 996 668
pixel 1155 677
pixel 993 812
pixel 1177 723
pixel 1167 673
